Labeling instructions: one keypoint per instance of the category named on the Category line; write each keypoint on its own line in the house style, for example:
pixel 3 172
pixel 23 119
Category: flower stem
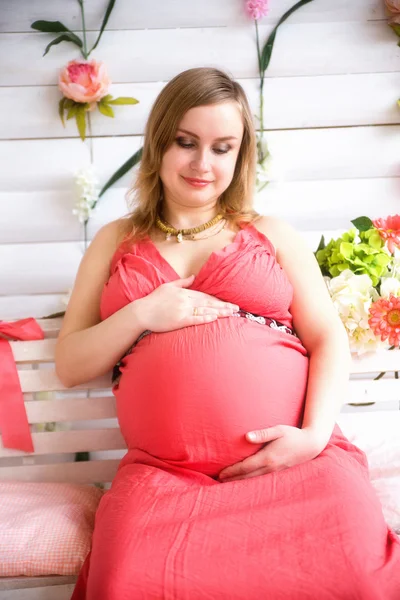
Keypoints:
pixel 85 225
pixel 84 52
pixel 261 75
pixel 379 376
pixel 89 122
pixel 85 234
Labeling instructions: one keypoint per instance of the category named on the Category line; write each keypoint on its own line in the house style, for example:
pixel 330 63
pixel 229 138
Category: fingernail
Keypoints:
pixel 252 436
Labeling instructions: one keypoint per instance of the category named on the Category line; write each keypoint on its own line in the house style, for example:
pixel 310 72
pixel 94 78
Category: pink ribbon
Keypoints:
pixel 14 425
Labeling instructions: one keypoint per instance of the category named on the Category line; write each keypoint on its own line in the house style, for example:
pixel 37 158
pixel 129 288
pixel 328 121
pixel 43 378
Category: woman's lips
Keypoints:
pixel 199 183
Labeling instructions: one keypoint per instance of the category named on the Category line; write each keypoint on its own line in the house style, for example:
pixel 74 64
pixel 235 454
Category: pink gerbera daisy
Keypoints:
pixel 389 230
pixel 385 319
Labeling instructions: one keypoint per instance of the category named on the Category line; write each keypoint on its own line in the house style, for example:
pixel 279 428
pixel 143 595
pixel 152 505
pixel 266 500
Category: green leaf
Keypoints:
pixel 105 21
pixel 80 118
pixel 65 37
pixel 61 107
pixel 72 110
pixel 375 240
pixel 269 45
pixel 396 28
pixel 106 99
pixel 346 250
pixel 122 100
pixel 105 110
pixel 129 164
pixel 49 26
pixel 363 223
pixel 321 244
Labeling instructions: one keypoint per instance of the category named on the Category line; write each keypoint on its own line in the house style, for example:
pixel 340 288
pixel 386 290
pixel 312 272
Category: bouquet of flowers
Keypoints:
pixel 362 272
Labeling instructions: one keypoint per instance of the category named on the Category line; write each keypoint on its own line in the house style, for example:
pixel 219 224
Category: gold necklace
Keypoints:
pixel 216 231
pixel 180 233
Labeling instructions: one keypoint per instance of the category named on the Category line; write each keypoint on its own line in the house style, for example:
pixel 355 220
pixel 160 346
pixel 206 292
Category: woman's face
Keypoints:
pixel 199 165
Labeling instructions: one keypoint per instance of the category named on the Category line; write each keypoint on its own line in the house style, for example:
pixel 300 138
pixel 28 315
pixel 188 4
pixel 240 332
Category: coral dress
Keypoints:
pixel 167 528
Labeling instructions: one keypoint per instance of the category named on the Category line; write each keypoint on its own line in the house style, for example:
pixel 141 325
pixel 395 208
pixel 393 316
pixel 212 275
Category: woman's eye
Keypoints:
pixel 187 144
pixel 183 143
pixel 221 150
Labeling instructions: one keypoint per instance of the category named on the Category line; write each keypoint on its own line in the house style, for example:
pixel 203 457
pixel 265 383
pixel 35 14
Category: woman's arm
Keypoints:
pixel 86 347
pixel 321 331
pixel 327 387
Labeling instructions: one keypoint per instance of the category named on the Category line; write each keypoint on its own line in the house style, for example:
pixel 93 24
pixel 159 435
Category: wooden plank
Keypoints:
pixel 386 360
pixel 20 583
pixel 136 14
pixel 381 391
pixel 58 442
pixel 23 306
pixel 51 268
pixel 51 327
pixel 96 471
pixel 33 351
pixel 43 351
pixel 46 215
pixel 55 266
pixel 307 205
pixel 300 50
pixel 299 155
pixel 335 100
pixel 71 409
pixel 54 592
pixel 46 380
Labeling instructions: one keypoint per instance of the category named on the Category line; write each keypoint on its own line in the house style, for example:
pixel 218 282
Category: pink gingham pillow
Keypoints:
pixel 46 528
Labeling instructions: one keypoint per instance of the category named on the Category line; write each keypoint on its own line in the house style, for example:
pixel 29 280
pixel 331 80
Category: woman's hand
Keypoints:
pixel 171 306
pixel 285 447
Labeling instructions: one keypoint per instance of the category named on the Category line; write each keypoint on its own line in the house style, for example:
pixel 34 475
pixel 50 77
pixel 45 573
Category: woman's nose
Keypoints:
pixel 201 161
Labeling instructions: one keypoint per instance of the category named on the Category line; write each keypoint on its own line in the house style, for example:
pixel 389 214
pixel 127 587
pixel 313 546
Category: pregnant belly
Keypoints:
pixel 188 397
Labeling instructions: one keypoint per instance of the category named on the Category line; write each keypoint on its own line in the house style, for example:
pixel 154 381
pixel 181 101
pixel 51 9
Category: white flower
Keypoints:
pixel 267 169
pixel 352 296
pixel 394 265
pixel 86 183
pixel 390 285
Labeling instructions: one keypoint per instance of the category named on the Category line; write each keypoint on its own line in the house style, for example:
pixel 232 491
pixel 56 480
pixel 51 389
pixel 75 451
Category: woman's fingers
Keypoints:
pixel 201 311
pixel 202 299
pixel 256 473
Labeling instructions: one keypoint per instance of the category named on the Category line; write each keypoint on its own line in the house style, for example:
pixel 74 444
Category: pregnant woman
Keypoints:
pixel 230 367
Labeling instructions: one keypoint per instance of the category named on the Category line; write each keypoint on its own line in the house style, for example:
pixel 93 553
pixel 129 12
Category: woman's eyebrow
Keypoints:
pixel 220 139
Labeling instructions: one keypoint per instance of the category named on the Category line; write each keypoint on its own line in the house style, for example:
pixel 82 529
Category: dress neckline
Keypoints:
pixel 204 266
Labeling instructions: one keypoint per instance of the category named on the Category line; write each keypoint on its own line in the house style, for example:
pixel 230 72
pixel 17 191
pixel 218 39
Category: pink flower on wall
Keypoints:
pixel 257 9
pixel 83 81
pixel 389 230
pixel 393 6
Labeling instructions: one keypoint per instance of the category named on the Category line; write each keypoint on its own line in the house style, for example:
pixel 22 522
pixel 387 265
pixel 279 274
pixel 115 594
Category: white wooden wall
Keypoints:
pixel 330 109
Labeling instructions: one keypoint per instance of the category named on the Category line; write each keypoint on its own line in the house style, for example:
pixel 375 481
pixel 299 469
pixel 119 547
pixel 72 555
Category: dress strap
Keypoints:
pixel 260 237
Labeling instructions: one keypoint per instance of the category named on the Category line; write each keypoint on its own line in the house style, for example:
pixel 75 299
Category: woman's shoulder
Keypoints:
pixel 271 227
pixel 110 236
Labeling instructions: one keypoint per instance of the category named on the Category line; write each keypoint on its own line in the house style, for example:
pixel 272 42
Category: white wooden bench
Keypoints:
pixel 90 410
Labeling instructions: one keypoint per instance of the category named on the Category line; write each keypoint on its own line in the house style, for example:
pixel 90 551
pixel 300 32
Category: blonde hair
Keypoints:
pixel 192 88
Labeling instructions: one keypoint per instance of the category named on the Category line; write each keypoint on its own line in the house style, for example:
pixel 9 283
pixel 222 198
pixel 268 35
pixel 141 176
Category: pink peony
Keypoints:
pixel 389 230
pixel 256 9
pixel 385 319
pixel 84 81
pixel 393 6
